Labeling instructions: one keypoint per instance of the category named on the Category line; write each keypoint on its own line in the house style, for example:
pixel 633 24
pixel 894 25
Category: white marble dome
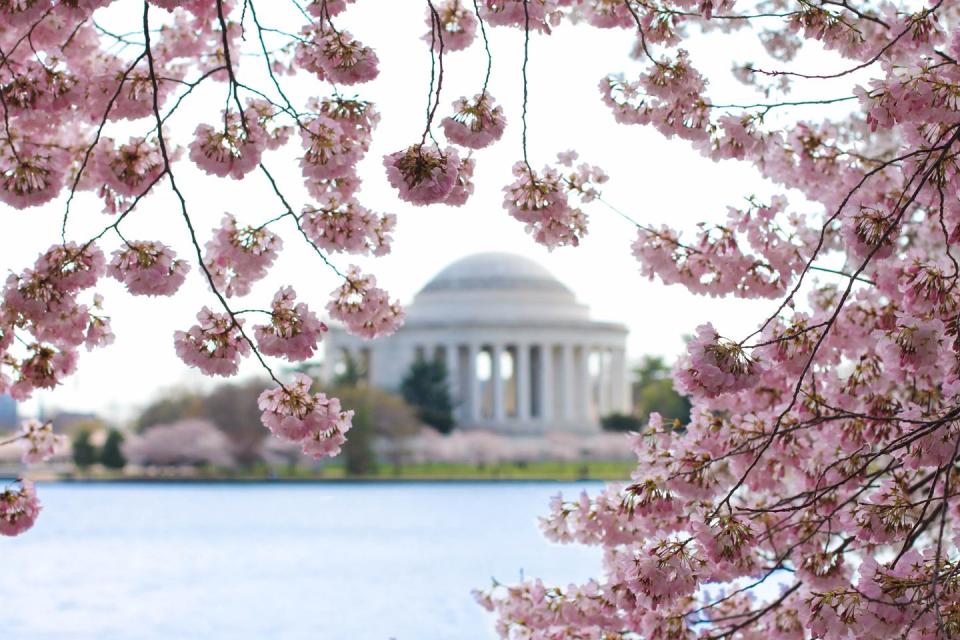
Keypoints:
pixel 486 271
pixel 493 287
pixel 522 354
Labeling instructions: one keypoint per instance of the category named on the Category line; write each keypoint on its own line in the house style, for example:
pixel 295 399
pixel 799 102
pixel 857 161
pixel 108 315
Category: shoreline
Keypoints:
pixel 539 472
pixel 340 481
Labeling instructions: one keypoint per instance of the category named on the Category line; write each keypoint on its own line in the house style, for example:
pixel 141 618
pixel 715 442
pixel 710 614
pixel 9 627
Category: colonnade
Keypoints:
pixel 505 382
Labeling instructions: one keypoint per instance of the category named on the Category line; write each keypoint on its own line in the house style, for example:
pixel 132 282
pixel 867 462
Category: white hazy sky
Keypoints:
pixel 653 179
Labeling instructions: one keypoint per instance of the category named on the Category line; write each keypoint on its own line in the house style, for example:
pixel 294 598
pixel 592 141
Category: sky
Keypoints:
pixel 653 179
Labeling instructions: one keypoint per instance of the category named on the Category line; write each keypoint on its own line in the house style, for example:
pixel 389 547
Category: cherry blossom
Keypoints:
pixel 347 226
pixel 215 345
pixel 458 25
pixel 28 179
pixel 39 442
pixel 330 152
pixel 475 123
pixel 294 414
pixel 239 256
pixel 232 148
pixel 337 56
pixel 19 508
pixel 326 8
pixel 423 174
pixel 43 367
pixel 463 187
pixel 662 572
pixel 357 118
pixel 128 169
pixel 517 12
pixel 363 307
pixel 148 268
pixel 294 330
pixel 715 365
pixel 543 201
pixel 99 331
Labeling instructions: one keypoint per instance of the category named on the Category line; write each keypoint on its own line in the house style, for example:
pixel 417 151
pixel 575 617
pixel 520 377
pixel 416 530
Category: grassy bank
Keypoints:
pixel 551 470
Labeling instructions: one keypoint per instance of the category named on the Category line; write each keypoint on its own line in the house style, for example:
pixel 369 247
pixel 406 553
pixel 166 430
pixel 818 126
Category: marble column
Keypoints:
pixel 603 382
pixel 620 384
pixel 474 401
pixel 452 357
pixel 569 387
pixel 546 382
pixel 496 379
pixel 522 373
pixel 584 383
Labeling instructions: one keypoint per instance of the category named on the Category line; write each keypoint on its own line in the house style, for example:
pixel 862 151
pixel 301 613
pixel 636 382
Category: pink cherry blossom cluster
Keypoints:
pixel 314 421
pixel 125 171
pixel 605 14
pixel 336 55
pixel 715 365
pixel 363 307
pixel 750 255
pixel 231 148
pixel 475 123
pixel 327 8
pixel 294 330
pixel 334 143
pixel 239 256
pixel 458 25
pixel 541 14
pixel 43 302
pixel 661 572
pixel 330 152
pixel 39 442
pixel 544 202
pixel 463 187
pixel 148 268
pixel 789 343
pixel 347 226
pixel 30 177
pixel 19 508
pixel 215 345
pixel 423 174
pixel 670 97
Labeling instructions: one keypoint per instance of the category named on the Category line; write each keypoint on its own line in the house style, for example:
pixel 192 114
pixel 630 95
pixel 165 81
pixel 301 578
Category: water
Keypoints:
pixel 279 561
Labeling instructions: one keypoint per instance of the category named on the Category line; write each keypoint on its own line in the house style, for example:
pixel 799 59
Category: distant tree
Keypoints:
pixel 381 416
pixel 653 391
pixel 84 453
pixel 358 454
pixel 171 407
pixel 185 443
pixel 426 389
pixel 111 456
pixel 651 369
pixel 621 422
pixel 232 407
pixel 352 374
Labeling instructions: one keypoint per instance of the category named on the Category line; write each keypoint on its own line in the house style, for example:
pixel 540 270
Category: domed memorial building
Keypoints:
pixel 522 355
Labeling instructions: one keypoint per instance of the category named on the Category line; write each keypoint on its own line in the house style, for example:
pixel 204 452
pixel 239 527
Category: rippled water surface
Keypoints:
pixel 277 561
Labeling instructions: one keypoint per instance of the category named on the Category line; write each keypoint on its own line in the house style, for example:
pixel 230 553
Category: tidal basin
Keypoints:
pixel 130 561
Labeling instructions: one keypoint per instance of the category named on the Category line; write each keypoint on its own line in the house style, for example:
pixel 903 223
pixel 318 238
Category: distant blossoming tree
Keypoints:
pixel 183 443
pixel 813 492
